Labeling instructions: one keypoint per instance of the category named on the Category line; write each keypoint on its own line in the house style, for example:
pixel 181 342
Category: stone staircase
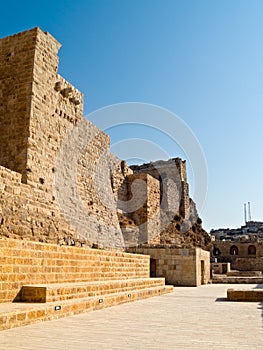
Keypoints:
pixel 31 310
pixel 237 279
pixel 66 291
pixel 44 282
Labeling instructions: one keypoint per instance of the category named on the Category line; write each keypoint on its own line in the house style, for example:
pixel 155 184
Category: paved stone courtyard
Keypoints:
pixel 188 318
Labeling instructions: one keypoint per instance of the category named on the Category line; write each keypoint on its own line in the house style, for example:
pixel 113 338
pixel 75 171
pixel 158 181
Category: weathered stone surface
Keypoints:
pixel 59 182
pixel 183 267
pixel 244 255
pixel 48 195
pixel 26 263
pixel 179 224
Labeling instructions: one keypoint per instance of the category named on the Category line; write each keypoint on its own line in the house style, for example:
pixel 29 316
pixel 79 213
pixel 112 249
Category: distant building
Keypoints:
pixel 252 228
pixel 242 247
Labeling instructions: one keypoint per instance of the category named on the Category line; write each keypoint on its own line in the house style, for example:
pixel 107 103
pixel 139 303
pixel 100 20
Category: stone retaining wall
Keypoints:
pixel 23 262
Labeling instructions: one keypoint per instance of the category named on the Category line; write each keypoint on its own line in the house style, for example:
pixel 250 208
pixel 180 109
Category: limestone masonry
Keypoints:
pixel 59 182
pixel 70 209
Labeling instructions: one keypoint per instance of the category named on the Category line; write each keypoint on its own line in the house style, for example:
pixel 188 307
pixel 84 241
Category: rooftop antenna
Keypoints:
pixel 249 212
pixel 245 213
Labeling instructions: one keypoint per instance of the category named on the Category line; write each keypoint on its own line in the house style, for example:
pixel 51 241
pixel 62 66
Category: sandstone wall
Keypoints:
pixel 243 256
pixel 173 184
pixel 141 208
pixel 16 61
pixel 25 212
pixel 180 224
pixel 24 262
pixel 182 267
pixel 58 181
pixel 64 160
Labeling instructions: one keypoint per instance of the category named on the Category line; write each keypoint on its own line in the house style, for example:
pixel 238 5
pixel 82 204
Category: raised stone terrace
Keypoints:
pixel 188 318
pixel 44 281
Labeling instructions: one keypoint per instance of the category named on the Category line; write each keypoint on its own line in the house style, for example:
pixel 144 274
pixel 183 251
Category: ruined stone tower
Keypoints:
pixel 38 107
pixel 38 111
pixel 59 182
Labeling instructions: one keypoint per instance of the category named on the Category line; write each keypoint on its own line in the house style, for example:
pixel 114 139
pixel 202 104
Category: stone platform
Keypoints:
pixel 21 314
pixel 237 279
pixel 188 318
pixel 251 295
pixel 42 282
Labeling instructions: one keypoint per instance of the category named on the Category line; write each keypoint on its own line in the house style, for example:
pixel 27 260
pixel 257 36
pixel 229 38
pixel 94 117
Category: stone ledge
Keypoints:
pixel 236 280
pixel 21 314
pixel 245 295
pixel 64 291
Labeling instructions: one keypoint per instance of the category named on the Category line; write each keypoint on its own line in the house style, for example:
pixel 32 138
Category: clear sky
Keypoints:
pixel 202 60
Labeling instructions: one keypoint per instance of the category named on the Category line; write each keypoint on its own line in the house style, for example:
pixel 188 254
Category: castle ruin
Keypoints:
pixel 62 192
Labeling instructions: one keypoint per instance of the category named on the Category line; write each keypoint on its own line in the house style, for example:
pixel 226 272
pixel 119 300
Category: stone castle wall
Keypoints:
pixel 58 197
pixel 179 221
pixel 142 207
pixel 59 182
pixel 173 183
pixel 17 55
pixel 243 256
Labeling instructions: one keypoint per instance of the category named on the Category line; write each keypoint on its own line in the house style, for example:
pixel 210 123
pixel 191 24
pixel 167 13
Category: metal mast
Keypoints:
pixel 249 212
pixel 245 213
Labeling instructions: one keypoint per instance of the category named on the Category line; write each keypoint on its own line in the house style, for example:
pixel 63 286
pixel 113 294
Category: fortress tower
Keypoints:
pixel 37 107
pixel 48 198
pixel 38 111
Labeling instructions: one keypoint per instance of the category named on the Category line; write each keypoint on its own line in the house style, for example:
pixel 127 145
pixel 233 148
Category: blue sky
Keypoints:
pixel 202 60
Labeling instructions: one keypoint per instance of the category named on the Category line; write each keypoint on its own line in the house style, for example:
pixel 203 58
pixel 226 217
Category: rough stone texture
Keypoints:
pixel 173 183
pixel 24 262
pixel 17 56
pixel 142 207
pixel 245 295
pixel 59 182
pixel 220 268
pixel 243 256
pixel 52 196
pixel 180 224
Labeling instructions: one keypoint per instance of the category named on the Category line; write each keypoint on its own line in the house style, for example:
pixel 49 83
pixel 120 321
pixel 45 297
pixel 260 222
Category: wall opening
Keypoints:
pixel 152 267
pixel 234 250
pixel 252 250
pixel 224 268
pixel 216 251
pixel 202 272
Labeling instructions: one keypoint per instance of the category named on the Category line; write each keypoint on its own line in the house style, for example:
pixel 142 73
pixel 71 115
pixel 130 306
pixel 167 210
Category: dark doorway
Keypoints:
pixel 224 268
pixel 202 272
pixel 152 267
pixel 252 250
pixel 234 250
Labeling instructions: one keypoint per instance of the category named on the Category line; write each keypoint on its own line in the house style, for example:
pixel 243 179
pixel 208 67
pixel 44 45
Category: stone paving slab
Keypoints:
pixel 188 318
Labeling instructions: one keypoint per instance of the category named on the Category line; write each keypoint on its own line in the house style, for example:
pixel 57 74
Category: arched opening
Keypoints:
pixel 216 251
pixel 234 250
pixel 252 250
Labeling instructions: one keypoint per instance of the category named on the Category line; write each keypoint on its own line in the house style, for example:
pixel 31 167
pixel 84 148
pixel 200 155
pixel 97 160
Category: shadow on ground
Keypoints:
pixel 260 307
pixel 221 299
pixel 259 286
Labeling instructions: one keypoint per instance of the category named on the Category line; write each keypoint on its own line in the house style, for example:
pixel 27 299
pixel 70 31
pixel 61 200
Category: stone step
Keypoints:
pixel 64 291
pixel 21 314
pixel 236 280
pixel 255 295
